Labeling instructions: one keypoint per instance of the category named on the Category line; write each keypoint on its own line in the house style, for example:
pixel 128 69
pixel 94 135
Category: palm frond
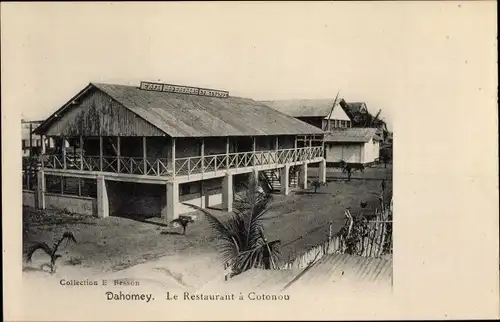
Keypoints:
pixel 68 236
pixel 40 245
pixel 227 235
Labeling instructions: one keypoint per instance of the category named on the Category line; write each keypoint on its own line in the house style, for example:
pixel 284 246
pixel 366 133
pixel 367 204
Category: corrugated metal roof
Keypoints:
pixel 182 115
pixel 347 269
pixel 351 134
pixel 331 271
pixel 304 107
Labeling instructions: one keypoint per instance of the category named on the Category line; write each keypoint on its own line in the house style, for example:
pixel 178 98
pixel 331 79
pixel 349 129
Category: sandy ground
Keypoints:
pixel 151 251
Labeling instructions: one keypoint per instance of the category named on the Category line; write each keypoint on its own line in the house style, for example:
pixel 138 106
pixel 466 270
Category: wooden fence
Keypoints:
pixel 377 241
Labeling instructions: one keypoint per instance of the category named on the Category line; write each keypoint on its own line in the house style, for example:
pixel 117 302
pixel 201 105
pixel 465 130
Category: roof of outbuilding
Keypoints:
pixel 184 115
pixel 351 134
pixel 304 107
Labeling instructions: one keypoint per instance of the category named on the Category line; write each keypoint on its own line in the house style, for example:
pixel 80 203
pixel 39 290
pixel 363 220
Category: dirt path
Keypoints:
pixel 143 247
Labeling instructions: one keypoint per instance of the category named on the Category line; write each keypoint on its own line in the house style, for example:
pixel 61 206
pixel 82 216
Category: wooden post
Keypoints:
pixel 202 153
pixel 100 153
pixel 254 147
pixel 330 232
pixel 31 140
pixel 227 152
pixel 63 149
pixel 173 157
pixel 276 148
pixel 144 155
pixel 42 138
pixel 118 154
pixel 81 153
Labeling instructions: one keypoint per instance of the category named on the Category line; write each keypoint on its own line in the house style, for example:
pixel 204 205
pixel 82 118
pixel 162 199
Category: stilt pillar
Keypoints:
pixel 227 193
pixel 284 180
pixel 303 176
pixel 322 171
pixel 40 190
pixel 170 212
pixel 102 198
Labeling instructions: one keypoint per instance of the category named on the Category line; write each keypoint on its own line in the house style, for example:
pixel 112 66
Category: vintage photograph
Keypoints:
pixel 180 153
pixel 204 187
pixel 198 187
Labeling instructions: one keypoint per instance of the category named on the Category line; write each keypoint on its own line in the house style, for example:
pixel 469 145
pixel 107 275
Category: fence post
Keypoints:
pixel 330 232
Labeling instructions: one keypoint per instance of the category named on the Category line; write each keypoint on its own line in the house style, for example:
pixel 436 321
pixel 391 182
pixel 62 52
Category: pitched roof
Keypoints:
pixel 351 134
pixel 303 107
pixel 183 115
pixel 355 106
pixel 352 108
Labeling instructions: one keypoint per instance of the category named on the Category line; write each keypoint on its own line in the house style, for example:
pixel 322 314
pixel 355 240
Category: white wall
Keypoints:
pixel 341 151
pixel 339 114
pixel 371 151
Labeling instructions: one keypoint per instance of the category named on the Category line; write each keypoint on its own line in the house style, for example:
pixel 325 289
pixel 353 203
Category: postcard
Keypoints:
pixel 244 160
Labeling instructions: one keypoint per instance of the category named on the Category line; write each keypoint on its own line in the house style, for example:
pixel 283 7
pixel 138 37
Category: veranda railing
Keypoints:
pixel 182 166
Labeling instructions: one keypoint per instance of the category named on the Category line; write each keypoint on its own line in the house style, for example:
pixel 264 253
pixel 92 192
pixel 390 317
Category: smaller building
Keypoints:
pixel 30 141
pixel 352 145
pixel 344 142
pixel 318 112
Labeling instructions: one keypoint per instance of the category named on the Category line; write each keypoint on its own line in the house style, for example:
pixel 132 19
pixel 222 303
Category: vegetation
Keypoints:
pixel 52 252
pixel 242 242
pixel 183 221
pixel 349 168
pixel 316 184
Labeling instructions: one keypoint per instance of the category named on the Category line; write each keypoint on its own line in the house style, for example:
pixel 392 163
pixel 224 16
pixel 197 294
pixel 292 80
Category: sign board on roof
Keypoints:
pixel 158 87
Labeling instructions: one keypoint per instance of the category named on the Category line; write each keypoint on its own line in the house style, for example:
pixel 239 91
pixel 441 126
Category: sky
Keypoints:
pixel 379 53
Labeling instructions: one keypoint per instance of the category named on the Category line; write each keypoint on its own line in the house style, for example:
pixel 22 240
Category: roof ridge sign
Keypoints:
pixel 159 87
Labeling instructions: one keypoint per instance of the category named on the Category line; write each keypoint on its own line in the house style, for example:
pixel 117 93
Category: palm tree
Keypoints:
pixel 242 242
pixel 52 252
pixel 183 221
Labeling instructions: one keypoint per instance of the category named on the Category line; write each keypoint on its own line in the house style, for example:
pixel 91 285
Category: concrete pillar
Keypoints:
pixel 227 193
pixel 170 212
pixel 303 176
pixel 40 190
pixel 255 174
pixel 102 198
pixel 203 196
pixel 284 180
pixel 322 171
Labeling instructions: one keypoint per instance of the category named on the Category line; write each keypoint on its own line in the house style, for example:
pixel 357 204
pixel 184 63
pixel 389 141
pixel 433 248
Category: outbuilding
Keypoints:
pixel 352 145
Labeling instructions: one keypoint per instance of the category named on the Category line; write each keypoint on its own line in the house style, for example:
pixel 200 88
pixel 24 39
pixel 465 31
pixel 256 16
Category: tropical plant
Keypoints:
pixel 51 251
pixel 183 221
pixel 353 232
pixel 317 184
pixel 242 242
pixel 382 185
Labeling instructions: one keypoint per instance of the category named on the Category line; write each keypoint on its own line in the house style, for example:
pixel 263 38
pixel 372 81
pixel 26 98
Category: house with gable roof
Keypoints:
pixel 345 141
pixel 149 149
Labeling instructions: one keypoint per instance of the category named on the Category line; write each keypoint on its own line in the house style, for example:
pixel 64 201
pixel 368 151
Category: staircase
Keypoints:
pixel 272 181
